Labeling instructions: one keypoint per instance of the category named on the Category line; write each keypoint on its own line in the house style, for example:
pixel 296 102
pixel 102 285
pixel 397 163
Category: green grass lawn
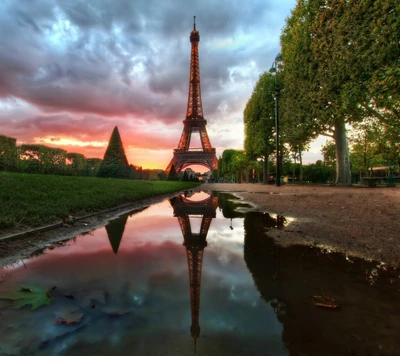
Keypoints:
pixel 35 199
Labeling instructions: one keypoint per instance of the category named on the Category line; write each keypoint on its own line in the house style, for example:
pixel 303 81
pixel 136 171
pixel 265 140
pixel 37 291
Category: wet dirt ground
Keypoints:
pixel 359 221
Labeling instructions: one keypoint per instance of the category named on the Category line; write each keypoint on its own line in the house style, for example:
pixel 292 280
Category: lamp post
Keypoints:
pixel 274 70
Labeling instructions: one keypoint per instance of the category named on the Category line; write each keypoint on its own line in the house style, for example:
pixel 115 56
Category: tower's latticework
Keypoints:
pixel 195 243
pixel 194 122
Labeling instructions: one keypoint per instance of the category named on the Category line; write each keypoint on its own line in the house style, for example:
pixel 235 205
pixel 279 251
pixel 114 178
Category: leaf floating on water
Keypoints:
pixel 324 302
pixel 33 295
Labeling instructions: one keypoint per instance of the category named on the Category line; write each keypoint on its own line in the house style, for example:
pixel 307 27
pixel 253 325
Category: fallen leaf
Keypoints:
pixel 34 295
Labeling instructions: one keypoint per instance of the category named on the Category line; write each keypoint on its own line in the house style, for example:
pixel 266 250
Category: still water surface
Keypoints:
pixel 198 273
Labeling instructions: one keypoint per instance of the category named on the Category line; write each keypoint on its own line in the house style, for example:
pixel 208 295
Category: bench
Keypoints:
pixel 371 181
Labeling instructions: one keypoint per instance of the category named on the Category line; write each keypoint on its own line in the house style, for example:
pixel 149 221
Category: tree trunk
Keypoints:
pixel 343 174
pixel 265 169
pixel 294 170
pixel 301 166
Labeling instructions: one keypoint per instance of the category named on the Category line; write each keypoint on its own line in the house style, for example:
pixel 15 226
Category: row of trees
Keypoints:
pixel 36 158
pixel 237 166
pixel 341 67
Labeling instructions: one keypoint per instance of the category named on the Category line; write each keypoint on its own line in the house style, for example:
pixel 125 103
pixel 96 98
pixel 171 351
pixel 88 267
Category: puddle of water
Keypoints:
pixel 196 273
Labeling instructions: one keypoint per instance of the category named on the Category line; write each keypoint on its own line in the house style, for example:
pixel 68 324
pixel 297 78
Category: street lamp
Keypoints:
pixel 274 70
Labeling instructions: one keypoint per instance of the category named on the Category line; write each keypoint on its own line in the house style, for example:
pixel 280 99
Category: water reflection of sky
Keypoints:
pixel 146 283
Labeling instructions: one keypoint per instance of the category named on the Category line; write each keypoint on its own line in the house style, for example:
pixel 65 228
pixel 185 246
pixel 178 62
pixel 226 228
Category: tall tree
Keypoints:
pixel 299 126
pixel 115 163
pixel 259 121
pixel 343 58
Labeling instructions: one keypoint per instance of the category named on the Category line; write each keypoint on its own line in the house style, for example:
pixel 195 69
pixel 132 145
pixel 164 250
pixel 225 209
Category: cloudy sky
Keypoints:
pixel 72 70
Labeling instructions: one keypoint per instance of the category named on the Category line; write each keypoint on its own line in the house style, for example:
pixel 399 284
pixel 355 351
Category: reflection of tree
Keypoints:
pixel 184 209
pixel 228 204
pixel 115 230
pixel 286 279
pixel 265 221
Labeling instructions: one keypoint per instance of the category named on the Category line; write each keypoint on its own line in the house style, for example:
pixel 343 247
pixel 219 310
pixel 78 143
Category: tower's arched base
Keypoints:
pixel 182 159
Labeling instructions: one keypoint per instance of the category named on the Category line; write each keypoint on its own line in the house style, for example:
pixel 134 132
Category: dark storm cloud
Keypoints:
pixel 86 66
pixel 81 56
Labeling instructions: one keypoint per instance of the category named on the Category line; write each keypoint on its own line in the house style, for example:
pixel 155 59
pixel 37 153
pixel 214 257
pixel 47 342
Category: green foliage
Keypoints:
pixel 136 172
pixel 172 175
pixel 341 65
pixel 315 172
pixel 297 78
pixel 259 118
pixel 92 166
pixel 259 123
pixel 235 165
pixel 76 162
pixel 33 295
pixel 41 159
pixel 373 144
pixel 185 177
pixel 8 153
pixel 35 199
pixel 115 163
pixel 162 176
pixel 193 178
pixel 329 153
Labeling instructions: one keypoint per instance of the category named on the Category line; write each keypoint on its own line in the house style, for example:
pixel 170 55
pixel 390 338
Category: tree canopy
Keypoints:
pixel 341 65
pixel 259 121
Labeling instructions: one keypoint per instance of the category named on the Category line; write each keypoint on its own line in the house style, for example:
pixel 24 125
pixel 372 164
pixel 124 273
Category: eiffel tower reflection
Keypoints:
pixel 186 208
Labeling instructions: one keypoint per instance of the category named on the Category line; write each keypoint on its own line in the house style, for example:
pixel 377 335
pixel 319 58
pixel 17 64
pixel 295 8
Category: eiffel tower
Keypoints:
pixel 194 122
pixel 195 244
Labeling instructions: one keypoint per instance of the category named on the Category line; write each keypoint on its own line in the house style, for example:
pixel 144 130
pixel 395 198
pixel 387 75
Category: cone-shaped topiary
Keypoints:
pixel 185 177
pixel 115 164
pixel 172 174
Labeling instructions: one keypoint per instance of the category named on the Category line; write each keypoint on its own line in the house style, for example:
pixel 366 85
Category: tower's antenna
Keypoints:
pixel 194 22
